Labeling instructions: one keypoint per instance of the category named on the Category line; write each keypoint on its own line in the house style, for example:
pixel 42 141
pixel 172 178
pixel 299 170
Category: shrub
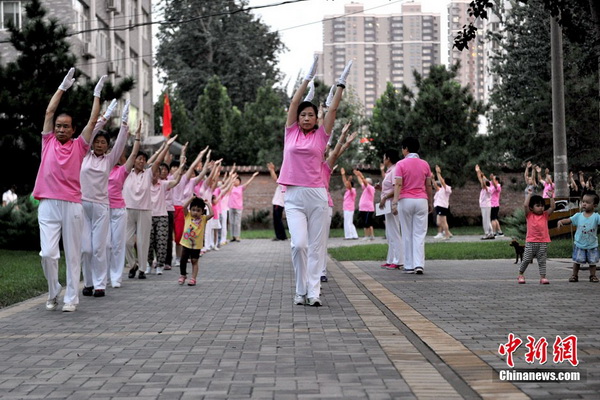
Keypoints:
pixel 260 219
pixel 516 224
pixel 19 229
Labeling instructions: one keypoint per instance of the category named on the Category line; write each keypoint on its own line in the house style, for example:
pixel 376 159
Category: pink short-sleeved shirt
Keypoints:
pixel 169 195
pixel 216 207
pixel 58 175
pixel 137 190
pixel 302 157
pixel 387 186
pixel 414 173
pixel 116 179
pixel 177 193
pixel 441 198
pixel 225 203
pixel 495 190
pixel 366 201
pixel 158 195
pixel 326 171
pixel 349 199
pixel 547 187
pixel 537 228
pixel 236 197
pixel 485 198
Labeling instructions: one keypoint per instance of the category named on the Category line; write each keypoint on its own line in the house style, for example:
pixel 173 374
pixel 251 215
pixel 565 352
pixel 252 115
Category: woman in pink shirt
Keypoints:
pixel 366 207
pixel 395 255
pixel 137 194
pixel 496 189
pixel 58 188
pixel 413 199
pixel 118 212
pixel 236 206
pixel 349 206
pixel 95 171
pixel 306 197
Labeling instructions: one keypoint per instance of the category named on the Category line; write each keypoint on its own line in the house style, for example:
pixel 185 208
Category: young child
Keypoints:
pixel 538 236
pixel 192 239
pixel 585 249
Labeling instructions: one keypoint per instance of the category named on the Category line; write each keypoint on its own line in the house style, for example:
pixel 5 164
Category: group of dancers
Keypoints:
pixel 110 208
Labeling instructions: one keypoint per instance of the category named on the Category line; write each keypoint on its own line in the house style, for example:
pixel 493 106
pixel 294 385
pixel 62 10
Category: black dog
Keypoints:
pixel 519 250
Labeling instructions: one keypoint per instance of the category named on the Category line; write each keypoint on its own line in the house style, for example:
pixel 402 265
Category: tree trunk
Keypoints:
pixel 561 167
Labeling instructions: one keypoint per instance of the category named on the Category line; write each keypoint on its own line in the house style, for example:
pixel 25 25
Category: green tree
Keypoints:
pixel 388 122
pixel 220 38
pixel 26 86
pixel 521 103
pixel 213 117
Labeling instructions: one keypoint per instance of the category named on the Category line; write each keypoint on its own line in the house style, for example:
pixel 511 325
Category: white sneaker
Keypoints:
pixel 116 285
pixel 148 270
pixel 159 270
pixel 438 236
pixel 52 304
pixel 299 300
pixel 314 301
pixel 68 307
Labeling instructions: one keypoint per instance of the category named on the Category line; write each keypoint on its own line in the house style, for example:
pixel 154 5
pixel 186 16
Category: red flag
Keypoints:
pixel 166 128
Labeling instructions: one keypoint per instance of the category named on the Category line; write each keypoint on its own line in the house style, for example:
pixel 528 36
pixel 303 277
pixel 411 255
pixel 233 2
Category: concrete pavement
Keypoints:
pixel 380 335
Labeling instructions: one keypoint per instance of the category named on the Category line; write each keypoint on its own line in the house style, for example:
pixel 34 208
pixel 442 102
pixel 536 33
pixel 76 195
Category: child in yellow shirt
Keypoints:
pixel 192 239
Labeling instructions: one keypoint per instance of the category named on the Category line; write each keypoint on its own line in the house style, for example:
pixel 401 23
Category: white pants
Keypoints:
pixel 139 224
pixel 306 209
pixel 486 214
pixel 327 227
pixel 116 245
pixel 96 226
pixel 413 221
pixel 349 228
pixel 56 217
pixel 235 216
pixel 395 254
pixel 223 220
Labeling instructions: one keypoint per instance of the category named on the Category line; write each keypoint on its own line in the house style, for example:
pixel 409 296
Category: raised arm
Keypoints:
pixel 360 177
pixel 119 146
pixel 340 148
pixel 88 129
pixel 297 99
pixel 538 175
pixel 153 157
pixel 552 202
pixel 438 172
pixel 250 180
pixel 526 202
pixel 337 97
pixel 162 155
pixel 271 168
pixel 526 174
pixel 136 147
pixel 480 177
pixel 177 176
pixel 196 162
pixel 210 210
pixel 345 180
pixel 67 82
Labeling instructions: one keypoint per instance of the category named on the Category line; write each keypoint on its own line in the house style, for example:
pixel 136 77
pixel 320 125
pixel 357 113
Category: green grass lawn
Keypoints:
pixel 22 277
pixel 450 251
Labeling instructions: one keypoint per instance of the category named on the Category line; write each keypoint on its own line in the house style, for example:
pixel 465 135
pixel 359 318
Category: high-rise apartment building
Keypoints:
pixel 111 42
pixel 384 48
pixel 473 61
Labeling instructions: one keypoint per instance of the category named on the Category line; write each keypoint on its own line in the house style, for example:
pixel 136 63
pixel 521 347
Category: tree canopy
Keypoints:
pixel 207 38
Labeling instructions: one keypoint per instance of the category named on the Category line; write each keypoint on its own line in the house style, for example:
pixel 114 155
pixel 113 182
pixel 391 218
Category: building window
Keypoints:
pixel 134 63
pixel 11 11
pixel 82 20
pixel 146 28
pixel 102 44
pixel 120 57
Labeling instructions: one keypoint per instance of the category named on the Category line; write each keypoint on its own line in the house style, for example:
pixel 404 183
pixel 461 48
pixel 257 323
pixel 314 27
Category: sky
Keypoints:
pixel 301 29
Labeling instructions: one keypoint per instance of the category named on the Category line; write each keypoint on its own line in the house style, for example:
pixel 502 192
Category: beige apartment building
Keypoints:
pixel 384 48
pixel 474 60
pixel 111 43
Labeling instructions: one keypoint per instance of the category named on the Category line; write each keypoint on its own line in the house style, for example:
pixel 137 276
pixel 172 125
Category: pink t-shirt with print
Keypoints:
pixel 58 175
pixel 302 157
pixel 495 191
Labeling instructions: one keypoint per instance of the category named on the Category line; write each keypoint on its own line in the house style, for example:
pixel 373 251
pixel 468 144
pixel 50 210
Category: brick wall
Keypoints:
pixel 464 201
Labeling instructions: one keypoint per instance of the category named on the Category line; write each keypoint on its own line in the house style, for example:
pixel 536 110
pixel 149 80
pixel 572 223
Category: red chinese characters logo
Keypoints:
pixel 562 350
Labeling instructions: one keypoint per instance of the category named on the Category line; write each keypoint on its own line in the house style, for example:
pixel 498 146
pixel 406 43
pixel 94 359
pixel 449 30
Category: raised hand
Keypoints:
pixel 99 86
pixel 270 166
pixel 110 109
pixel 68 80
pixel 172 140
pixel 342 171
pixel 346 128
pixel 342 79
pixel 330 96
pixel 312 70
pixel 311 91
pixel 125 115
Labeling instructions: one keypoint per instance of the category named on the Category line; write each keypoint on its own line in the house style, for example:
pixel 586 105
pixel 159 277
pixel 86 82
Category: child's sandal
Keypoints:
pixel 574 278
pixel 593 278
pixel 192 282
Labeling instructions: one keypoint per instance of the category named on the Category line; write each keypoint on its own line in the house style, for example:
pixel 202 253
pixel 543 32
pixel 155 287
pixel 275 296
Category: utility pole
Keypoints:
pixel 559 136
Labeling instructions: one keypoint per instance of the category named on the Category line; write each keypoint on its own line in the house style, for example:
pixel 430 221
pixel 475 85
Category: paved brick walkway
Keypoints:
pixel 380 335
